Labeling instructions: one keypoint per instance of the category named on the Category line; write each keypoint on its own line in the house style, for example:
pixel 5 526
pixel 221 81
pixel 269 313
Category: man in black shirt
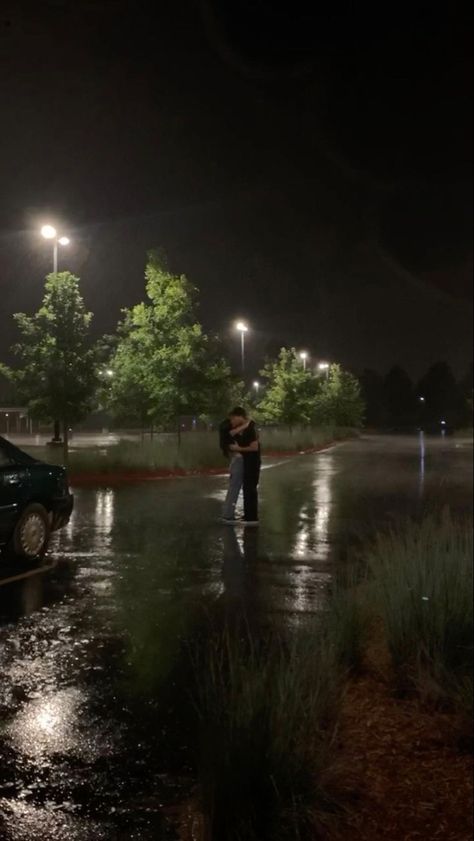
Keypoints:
pixel 248 444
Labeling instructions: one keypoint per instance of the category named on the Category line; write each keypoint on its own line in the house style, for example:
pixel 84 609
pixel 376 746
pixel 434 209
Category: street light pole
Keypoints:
pixel 304 358
pixel 242 329
pixel 49 232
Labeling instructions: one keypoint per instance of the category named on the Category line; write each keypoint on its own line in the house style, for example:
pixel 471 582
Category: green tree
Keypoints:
pixel 339 401
pixel 56 376
pixel 164 365
pixel 290 391
pixel 8 392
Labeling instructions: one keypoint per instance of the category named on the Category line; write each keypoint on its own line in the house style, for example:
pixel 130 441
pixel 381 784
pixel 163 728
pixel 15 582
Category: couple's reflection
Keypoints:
pixel 240 558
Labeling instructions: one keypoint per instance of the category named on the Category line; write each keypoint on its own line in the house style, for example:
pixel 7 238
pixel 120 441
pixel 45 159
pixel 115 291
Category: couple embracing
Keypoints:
pixel 239 442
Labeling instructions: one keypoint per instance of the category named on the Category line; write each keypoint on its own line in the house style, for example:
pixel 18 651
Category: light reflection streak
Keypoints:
pixel 312 540
pixel 104 511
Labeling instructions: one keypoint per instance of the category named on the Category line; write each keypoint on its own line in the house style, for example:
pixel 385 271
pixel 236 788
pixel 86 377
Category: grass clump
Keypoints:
pixel 423 576
pixel 301 438
pixel 197 450
pixel 268 714
pixel 348 620
pixel 194 451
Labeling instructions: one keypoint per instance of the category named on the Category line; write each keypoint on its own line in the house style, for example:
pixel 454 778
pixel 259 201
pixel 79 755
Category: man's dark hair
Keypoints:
pixel 238 411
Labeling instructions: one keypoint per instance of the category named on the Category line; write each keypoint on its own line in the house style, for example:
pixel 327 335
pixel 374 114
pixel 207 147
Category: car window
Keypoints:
pixel 5 460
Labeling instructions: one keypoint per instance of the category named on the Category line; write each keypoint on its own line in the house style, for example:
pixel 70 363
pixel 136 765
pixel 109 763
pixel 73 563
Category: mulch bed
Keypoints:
pixel 404 772
pixel 121 477
pixel 400 773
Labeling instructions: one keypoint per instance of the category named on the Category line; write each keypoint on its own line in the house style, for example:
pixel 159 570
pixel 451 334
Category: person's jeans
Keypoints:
pixel 236 479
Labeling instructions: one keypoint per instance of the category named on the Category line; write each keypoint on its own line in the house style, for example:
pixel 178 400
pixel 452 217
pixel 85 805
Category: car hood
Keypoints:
pixel 29 461
pixel 16 453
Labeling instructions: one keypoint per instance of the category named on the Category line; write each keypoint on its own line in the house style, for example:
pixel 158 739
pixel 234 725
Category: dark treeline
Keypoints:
pixel 395 401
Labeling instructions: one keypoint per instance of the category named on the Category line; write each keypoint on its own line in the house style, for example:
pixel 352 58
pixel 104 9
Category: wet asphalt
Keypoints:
pixel 92 743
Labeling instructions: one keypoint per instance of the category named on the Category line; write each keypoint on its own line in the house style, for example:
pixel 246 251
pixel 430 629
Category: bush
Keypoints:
pixel 348 621
pixel 277 439
pixel 268 713
pixel 423 586
pixel 196 451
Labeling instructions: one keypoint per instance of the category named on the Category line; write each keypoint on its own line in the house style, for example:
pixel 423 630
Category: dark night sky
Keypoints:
pixel 310 171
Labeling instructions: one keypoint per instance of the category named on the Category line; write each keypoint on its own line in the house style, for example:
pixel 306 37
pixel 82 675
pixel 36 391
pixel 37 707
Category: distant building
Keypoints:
pixel 14 419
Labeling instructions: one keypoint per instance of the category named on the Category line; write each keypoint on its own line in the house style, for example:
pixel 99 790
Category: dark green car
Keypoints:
pixel 34 501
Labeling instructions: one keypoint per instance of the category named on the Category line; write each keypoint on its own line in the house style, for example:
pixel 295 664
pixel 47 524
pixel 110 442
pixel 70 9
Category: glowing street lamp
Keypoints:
pixel 242 328
pixel 324 367
pixel 256 386
pixel 49 232
pixel 304 358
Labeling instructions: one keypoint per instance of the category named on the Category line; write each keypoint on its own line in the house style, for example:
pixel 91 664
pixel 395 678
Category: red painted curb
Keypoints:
pixel 122 476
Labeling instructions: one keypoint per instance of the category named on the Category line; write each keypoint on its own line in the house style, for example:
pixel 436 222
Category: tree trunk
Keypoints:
pixel 65 443
pixel 57 431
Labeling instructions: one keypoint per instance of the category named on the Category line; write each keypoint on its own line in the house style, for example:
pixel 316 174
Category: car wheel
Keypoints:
pixel 31 535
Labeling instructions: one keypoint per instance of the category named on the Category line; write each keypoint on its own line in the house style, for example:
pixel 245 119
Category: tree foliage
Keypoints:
pixel 295 395
pixel 290 391
pixel 164 365
pixel 394 402
pixel 339 401
pixel 56 376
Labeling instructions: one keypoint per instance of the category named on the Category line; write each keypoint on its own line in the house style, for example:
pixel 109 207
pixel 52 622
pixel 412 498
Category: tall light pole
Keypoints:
pixel 49 232
pixel 324 366
pixel 304 358
pixel 242 328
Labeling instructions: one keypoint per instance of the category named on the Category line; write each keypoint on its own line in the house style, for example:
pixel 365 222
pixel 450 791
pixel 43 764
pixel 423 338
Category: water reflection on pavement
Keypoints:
pixel 91 741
